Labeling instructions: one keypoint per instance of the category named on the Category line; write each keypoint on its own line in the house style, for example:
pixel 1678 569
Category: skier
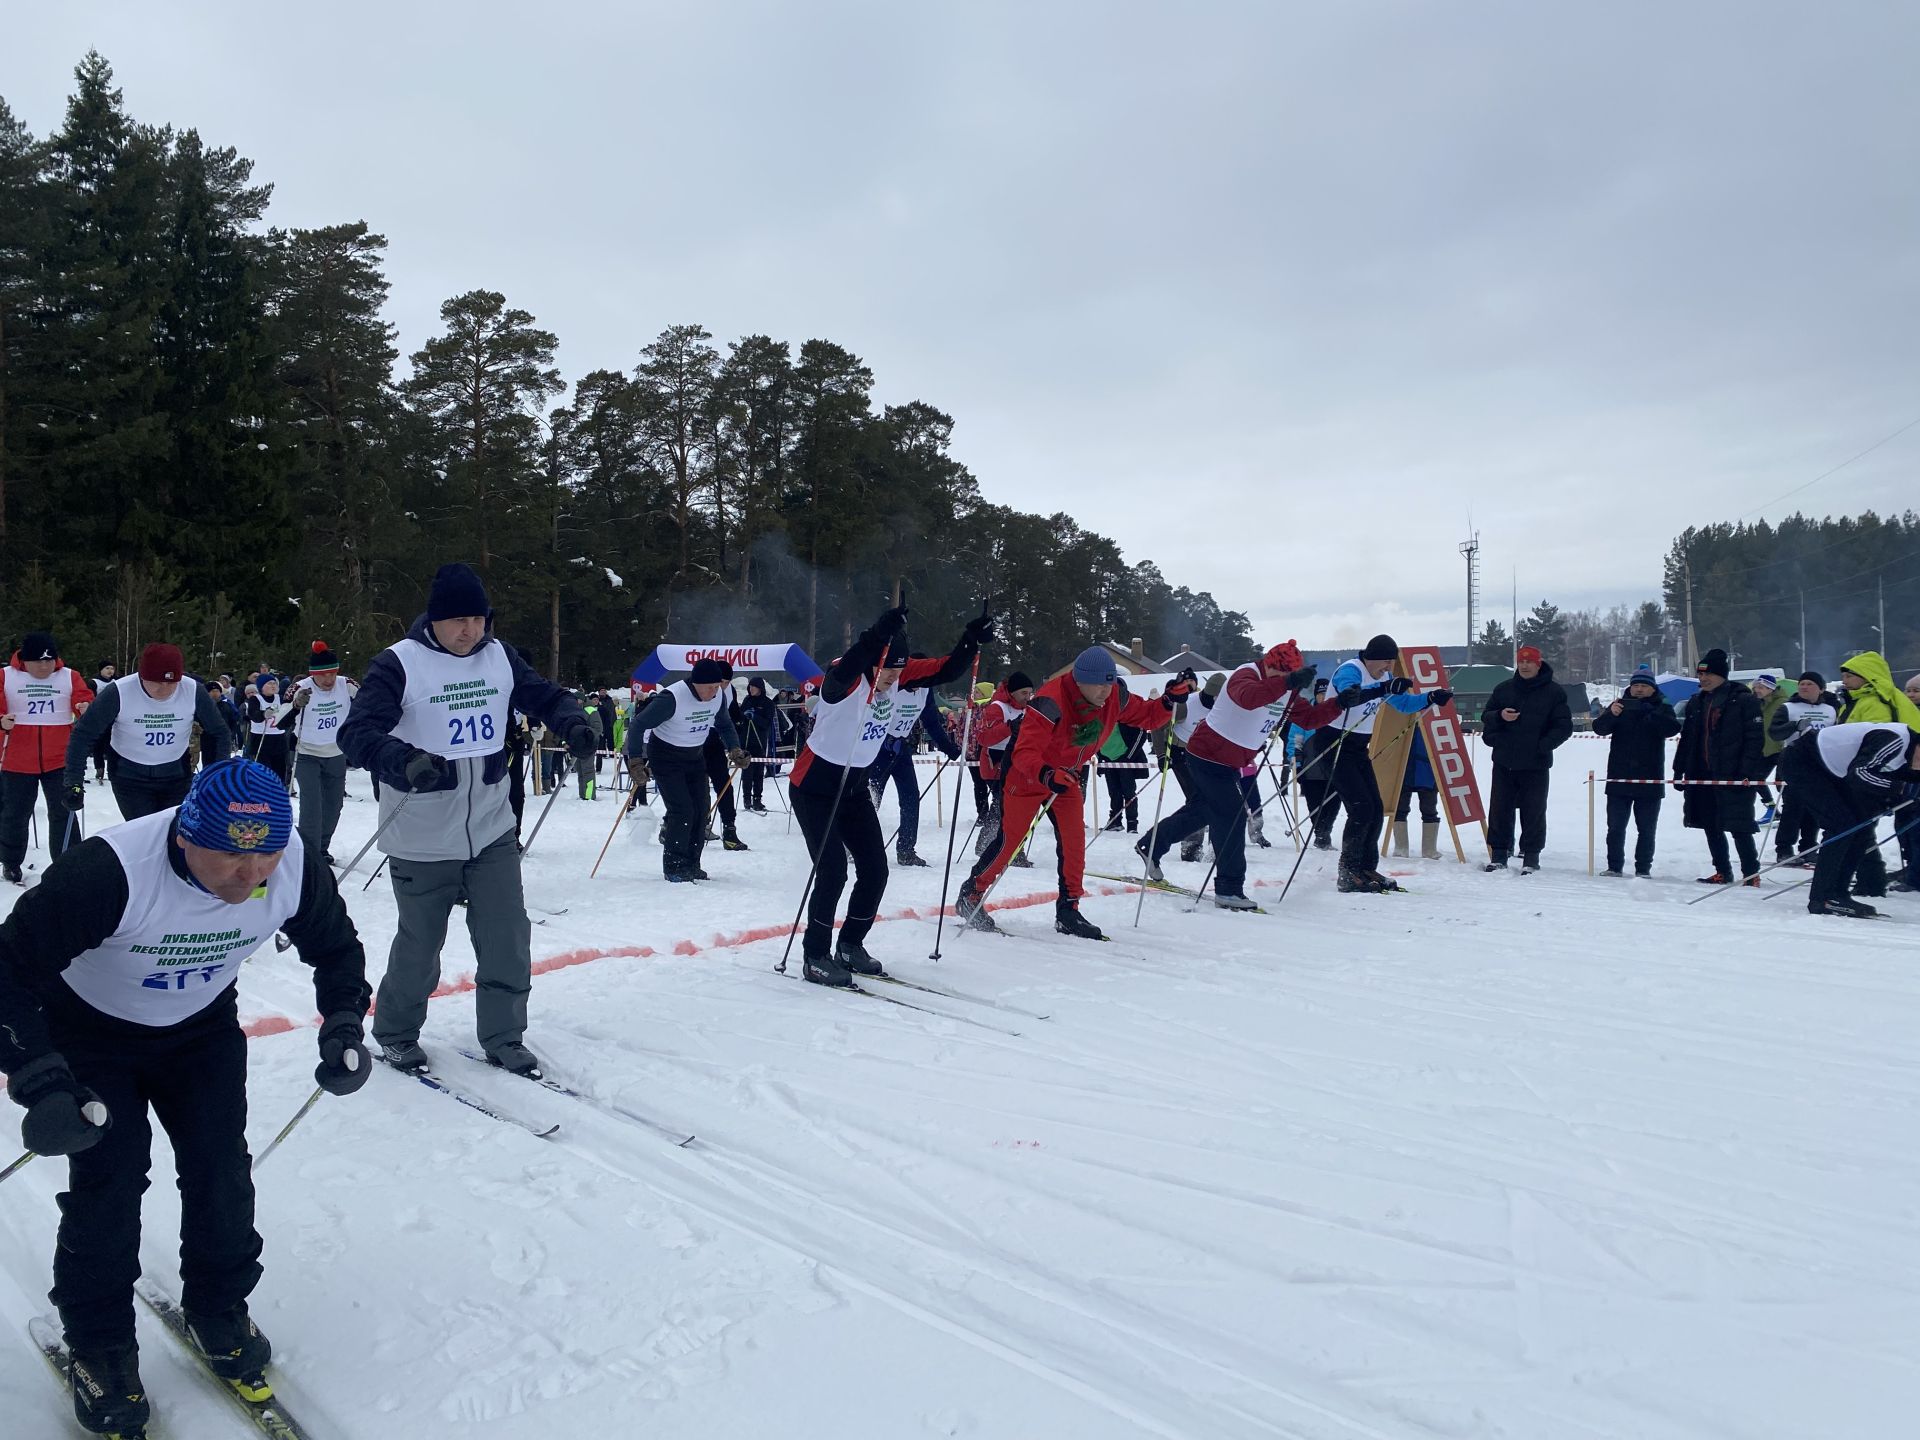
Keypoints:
pixel 1359 688
pixel 430 723
pixel 1869 694
pixel 1068 720
pixel 994 734
pixel 1846 775
pixel 911 712
pixel 321 705
pixel 1637 726
pixel 1526 719
pixel 1254 699
pixel 1187 716
pixel 104 675
pixel 148 718
pixel 1808 708
pixel 117 996
pixel 268 714
pixel 38 703
pixel 829 791
pixel 1720 739
pixel 666 743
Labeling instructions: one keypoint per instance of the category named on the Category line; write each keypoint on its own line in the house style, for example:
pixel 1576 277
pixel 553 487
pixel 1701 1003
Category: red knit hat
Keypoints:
pixel 1528 652
pixel 1284 657
pixel 161 663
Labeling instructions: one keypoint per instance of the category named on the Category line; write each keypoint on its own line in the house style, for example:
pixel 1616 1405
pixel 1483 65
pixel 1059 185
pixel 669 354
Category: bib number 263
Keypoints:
pixel 470 729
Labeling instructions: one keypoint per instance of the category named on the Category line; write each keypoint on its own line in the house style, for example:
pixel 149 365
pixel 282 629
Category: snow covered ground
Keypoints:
pixel 1542 1158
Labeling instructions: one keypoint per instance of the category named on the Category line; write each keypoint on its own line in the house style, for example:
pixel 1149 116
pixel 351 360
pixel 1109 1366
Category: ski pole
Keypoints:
pixel 620 815
pixel 953 830
pixel 1810 879
pixel 378 832
pixel 559 784
pixel 19 1164
pixel 1246 807
pixel 1153 832
pixel 923 795
pixel 1307 819
pixel 716 801
pixel 827 837
pixel 1040 815
pixel 377 871
pixel 1791 859
pixel 287 1129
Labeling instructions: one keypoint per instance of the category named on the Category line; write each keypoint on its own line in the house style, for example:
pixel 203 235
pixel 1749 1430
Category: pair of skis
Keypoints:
pixel 462 1095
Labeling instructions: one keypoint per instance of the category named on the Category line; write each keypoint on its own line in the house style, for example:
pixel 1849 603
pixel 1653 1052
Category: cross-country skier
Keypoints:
pixel 321 705
pixel 116 1000
pixel 1360 687
pixel 829 790
pixel 994 733
pixel 912 711
pixel 39 701
pixel 666 743
pixel 268 712
pixel 1847 774
pixel 148 718
pixel 1067 721
pixel 430 722
pixel 1808 708
pixel 1255 698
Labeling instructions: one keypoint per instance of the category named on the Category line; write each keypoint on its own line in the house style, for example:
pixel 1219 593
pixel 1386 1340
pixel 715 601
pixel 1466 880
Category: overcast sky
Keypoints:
pixel 1275 294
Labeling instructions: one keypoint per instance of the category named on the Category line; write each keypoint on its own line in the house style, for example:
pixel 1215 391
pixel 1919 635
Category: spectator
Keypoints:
pixel 1526 719
pixel 1721 739
pixel 1638 726
pixel 1419 781
pixel 1809 708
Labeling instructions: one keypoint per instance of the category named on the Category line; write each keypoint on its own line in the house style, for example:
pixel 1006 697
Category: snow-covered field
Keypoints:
pixel 1542 1158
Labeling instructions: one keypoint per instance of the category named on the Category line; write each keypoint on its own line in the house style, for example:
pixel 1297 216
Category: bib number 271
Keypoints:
pixel 470 729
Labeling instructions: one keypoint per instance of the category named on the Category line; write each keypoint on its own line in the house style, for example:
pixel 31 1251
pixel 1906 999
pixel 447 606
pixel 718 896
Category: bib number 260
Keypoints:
pixel 470 729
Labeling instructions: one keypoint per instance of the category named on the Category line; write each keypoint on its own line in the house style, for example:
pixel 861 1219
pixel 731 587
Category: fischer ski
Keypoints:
pixel 608 1107
pixel 434 1082
pixel 53 1349
pixel 269 1415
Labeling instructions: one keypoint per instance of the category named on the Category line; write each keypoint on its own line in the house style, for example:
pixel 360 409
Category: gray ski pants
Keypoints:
pixel 425 892
pixel 322 780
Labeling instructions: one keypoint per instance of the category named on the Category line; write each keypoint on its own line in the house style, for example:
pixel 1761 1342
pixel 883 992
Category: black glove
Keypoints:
pixel 344 1062
pixel 1399 685
pixel 583 738
pixel 979 629
pixel 1439 699
pixel 76 796
pixel 63 1116
pixel 1301 678
pixel 891 622
pixel 426 772
pixel 1351 696
pixel 1180 687
pixel 1059 784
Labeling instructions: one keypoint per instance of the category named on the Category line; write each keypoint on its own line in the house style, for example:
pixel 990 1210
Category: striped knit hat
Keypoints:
pixel 237 805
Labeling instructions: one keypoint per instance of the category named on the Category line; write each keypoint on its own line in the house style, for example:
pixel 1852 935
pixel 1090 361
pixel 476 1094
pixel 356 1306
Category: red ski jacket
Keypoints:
pixel 1061 730
pixel 36 749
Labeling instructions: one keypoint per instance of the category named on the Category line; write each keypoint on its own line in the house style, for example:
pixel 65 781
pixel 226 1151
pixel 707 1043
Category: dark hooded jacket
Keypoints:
pixel 1638 738
pixel 1721 738
pixel 1546 720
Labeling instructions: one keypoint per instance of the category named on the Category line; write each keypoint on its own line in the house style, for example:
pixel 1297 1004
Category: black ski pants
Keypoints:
pixel 1797 829
pixel 139 795
pixel 1522 793
pixel 1826 800
pixel 193 1079
pixel 836 829
pixel 1123 797
pixel 1218 806
pixel 1353 782
pixel 680 772
pixel 1429 803
pixel 1643 809
pixel 273 753
pixel 17 795
pixel 1316 781
pixel 720 777
pixel 753 787
pixel 895 764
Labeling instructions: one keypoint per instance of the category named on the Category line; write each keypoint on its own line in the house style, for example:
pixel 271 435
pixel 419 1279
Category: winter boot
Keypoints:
pixel 1400 851
pixel 1355 882
pixel 1257 829
pixel 1430 841
pixel 108 1398
pixel 732 841
pixel 1611 874
pixel 515 1059
pixel 1153 870
pixel 1715 879
pixel 1068 920
pixel 1380 883
pixel 1529 864
pixel 825 970
pixel 1323 839
pixel 1496 860
pixel 1233 902
pixel 971 908
pixel 855 958
pixel 1119 818
pixel 907 859
pixel 1190 849
pixel 405 1055
pixel 236 1351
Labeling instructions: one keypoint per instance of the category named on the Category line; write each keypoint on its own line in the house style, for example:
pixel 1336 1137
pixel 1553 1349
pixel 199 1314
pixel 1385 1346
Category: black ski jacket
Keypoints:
pixel 1721 739
pixel 1546 720
pixel 1638 736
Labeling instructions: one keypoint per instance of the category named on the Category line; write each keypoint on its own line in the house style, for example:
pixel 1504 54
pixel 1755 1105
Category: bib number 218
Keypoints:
pixel 468 729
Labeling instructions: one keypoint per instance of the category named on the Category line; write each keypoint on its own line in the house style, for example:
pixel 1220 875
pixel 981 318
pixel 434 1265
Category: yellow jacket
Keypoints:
pixel 1878 699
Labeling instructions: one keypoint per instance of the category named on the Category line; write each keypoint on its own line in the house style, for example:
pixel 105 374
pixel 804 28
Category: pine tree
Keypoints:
pixel 1493 646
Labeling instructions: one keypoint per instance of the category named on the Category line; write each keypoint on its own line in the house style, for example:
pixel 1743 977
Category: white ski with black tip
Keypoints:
pixel 434 1082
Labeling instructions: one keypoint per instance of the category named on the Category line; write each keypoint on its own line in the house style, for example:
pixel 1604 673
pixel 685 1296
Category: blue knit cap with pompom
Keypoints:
pixel 237 805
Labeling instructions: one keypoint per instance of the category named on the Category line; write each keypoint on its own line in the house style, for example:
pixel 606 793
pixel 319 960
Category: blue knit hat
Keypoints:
pixel 237 805
pixel 1094 666
pixel 1643 676
pixel 456 591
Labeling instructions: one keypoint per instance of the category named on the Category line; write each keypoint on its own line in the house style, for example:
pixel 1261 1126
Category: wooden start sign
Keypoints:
pixel 1446 749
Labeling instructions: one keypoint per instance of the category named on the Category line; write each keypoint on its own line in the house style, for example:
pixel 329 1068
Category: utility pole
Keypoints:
pixel 1690 651
pixel 1803 632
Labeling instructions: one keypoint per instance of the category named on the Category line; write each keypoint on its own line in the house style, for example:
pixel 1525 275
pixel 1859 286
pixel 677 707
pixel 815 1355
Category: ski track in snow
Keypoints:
pixel 1508 1158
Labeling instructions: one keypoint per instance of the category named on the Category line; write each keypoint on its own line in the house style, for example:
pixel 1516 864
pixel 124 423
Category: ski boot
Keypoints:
pixel 731 841
pixel 907 860
pixel 1068 920
pixel 236 1351
pixel 13 874
pixel 1022 861
pixel 1380 883
pixel 405 1056
pixel 1322 840
pixel 971 908
pixel 108 1398
pixel 1850 908
pixel 825 970
pixel 515 1059
pixel 1190 849
pixel 854 957
pixel 1715 879
pixel 1233 902
pixel 1355 882
pixel 1153 871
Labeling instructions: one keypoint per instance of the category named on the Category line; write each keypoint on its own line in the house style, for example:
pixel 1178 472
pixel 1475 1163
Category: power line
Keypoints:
pixel 1835 470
